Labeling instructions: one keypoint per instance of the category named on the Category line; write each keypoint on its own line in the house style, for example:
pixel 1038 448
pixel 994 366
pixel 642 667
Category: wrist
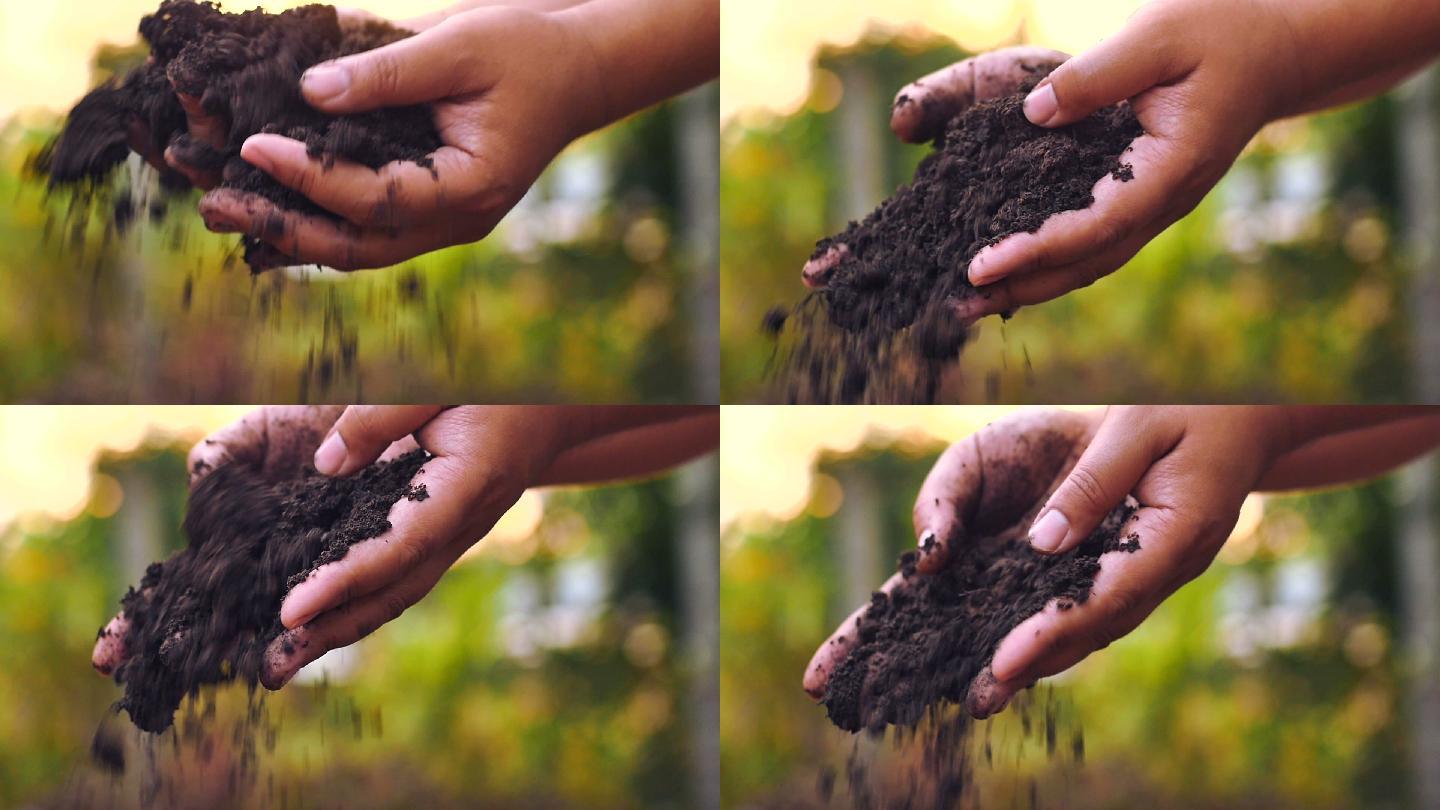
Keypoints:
pixel 588 105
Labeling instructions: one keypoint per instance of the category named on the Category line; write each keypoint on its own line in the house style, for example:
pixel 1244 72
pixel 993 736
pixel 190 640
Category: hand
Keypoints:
pixel 510 87
pixel 484 457
pixel 1202 77
pixel 483 460
pixel 1190 469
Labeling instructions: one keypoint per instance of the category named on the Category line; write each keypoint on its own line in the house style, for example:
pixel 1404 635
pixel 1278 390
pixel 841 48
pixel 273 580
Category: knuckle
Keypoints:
pixel 393 606
pixel 411 551
pixel 1086 488
pixel 385 74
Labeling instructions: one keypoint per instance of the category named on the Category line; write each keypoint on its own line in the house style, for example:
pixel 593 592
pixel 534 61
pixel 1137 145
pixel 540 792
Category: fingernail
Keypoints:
pixel 1041 105
pixel 331 455
pixel 981 269
pixel 257 157
pixel 219 224
pixel 927 542
pixel 1049 531
pixel 324 82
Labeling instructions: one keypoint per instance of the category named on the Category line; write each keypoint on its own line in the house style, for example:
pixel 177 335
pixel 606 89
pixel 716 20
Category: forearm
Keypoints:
pixel 1348 50
pixel 1368 448
pixel 647 50
pixel 636 450
pixel 432 19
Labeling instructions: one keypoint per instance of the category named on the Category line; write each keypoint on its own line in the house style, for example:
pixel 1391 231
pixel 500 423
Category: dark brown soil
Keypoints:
pixel 923 644
pixel 244 68
pixel 883 329
pixel 207 614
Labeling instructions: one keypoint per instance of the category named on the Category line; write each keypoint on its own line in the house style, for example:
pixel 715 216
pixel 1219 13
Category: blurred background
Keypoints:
pixel 1309 274
pixel 567 662
pixel 1301 671
pixel 599 286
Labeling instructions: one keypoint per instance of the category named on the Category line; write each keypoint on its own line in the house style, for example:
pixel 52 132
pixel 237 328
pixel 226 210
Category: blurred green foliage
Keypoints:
pixel 1285 284
pixel 578 296
pixel 502 687
pixel 1274 680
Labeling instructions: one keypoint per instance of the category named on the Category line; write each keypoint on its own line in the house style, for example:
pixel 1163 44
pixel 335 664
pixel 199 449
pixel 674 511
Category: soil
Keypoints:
pixel 207 614
pixel 244 68
pixel 920 646
pixel 882 330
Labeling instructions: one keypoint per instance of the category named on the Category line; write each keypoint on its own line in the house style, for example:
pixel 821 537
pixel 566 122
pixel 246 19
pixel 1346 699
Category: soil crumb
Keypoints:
pixel 206 615
pixel 920 646
pixel 884 328
pixel 244 71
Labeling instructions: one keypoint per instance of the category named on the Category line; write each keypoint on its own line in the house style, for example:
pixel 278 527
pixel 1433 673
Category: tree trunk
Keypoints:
pixel 1419 553
pixel 699 562
pixel 698 133
pixel 861 152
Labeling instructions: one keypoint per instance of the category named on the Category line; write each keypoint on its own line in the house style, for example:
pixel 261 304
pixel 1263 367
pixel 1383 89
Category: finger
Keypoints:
pixel 816 273
pixel 1127 588
pixel 437 63
pixel 1146 203
pixel 277 439
pixel 1030 451
pixel 949 492
pixel 1122 451
pixel 1027 289
pixel 1120 67
pixel 211 130
pixel 201 165
pixel 399 193
pixel 923 107
pixel 841 642
pixel 459 504
pixel 314 240
pixel 363 432
pixel 109 650
pixel 296 648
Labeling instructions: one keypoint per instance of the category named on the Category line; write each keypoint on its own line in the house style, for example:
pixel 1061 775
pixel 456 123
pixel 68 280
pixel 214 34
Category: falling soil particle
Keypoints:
pixel 884 327
pixel 244 69
pixel 207 614
pixel 923 644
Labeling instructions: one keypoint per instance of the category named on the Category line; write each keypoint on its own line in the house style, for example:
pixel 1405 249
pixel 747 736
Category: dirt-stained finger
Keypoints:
pixel 923 107
pixel 816 272
pixel 833 651
pixel 109 650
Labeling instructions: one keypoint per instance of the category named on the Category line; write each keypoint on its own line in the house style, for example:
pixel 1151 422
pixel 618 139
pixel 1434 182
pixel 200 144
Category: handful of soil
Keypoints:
pixel 207 614
pixel 884 328
pixel 245 70
pixel 923 644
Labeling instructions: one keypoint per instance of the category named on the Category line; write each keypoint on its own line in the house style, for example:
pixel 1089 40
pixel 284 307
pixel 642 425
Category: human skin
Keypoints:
pixel 511 84
pixel 1190 468
pixel 484 458
pixel 1202 76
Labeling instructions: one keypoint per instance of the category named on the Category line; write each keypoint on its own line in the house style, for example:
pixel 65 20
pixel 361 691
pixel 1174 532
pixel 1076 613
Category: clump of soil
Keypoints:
pixel 244 69
pixel 884 329
pixel 921 645
pixel 207 614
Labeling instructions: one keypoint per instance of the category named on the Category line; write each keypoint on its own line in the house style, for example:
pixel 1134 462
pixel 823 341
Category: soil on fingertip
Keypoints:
pixel 244 69
pixel 921 646
pixel 884 327
pixel 207 614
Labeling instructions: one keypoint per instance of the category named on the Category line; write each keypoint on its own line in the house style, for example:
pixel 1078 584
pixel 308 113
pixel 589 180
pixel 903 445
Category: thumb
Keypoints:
pixel 363 432
pixel 1117 69
pixel 428 66
pixel 1114 462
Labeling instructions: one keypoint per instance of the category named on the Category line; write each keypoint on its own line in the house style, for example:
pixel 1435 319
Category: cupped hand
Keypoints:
pixel 1062 473
pixel 509 88
pixel 483 459
pixel 1201 76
